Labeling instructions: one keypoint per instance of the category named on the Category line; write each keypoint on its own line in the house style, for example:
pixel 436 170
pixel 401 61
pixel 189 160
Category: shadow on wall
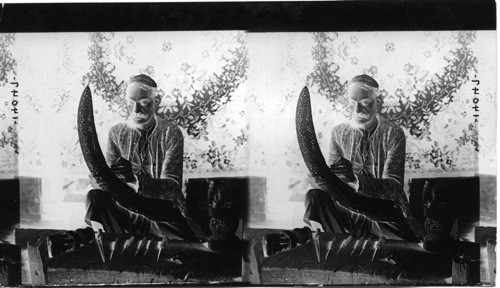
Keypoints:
pixel 31 198
pixel 10 254
pixel 472 201
pixel 9 207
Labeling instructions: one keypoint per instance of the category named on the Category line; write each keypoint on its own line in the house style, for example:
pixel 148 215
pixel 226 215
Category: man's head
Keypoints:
pixel 362 93
pixel 140 96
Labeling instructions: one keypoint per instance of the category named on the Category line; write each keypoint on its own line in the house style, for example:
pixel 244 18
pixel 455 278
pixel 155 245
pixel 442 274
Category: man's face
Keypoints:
pixel 363 105
pixel 140 105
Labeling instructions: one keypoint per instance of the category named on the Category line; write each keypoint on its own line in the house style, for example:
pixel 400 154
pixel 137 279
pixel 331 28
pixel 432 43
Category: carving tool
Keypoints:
pixel 363 247
pixel 315 240
pixel 100 246
pixel 139 246
pixel 344 243
pixel 112 248
pixel 329 247
pixel 376 246
pixel 148 244
pixel 161 244
pixel 158 246
pixel 342 246
pixel 356 244
pixel 399 275
pixel 127 243
pixel 186 277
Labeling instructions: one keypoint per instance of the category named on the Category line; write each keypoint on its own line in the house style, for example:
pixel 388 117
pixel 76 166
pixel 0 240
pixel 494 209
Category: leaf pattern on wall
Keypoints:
pixel 101 58
pixel 8 67
pixel 414 114
pixel 193 102
pixel 100 77
pixel 469 135
pixel 324 75
pixel 441 157
pixel 216 92
pixel 191 115
pixel 8 64
pixel 440 91
pixel 10 138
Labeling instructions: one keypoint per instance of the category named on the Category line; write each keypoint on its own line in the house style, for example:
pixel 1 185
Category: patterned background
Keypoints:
pixel 8 129
pixel 201 78
pixel 426 86
pixel 234 96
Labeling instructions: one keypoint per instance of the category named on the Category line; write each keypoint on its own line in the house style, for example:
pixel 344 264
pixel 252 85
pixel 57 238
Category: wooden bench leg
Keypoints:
pixel 37 256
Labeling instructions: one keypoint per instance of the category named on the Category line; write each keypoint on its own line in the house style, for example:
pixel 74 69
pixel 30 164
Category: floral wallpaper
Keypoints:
pixel 201 78
pixel 426 82
pixel 416 97
pixel 9 148
pixel 419 94
pixel 234 94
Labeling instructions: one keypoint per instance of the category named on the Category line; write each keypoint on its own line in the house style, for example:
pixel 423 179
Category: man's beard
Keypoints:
pixel 139 116
pixel 361 116
pixel 355 120
pixel 132 121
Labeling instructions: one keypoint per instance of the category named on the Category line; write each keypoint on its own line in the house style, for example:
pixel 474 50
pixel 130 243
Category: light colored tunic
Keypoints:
pixel 380 168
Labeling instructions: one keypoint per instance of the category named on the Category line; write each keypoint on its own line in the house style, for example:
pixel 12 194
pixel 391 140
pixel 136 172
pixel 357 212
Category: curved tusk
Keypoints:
pixel 88 138
pixel 154 209
pixel 375 209
pixel 309 146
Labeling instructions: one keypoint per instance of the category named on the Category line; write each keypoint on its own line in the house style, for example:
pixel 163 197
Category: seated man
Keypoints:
pixel 147 153
pixel 368 154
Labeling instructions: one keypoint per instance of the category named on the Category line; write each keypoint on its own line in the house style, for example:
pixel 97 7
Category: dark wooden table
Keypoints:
pixel 199 265
pixel 396 262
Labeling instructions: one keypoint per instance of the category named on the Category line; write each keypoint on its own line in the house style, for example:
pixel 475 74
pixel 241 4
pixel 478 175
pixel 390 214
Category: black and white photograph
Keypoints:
pixel 191 149
pixel 10 253
pixel 373 144
pixel 140 138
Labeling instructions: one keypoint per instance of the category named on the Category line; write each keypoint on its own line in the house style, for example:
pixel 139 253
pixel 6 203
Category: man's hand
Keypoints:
pixel 122 169
pixel 313 182
pixel 98 183
pixel 343 169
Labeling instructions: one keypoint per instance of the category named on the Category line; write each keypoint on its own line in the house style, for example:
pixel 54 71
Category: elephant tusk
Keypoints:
pixel 375 209
pixel 154 209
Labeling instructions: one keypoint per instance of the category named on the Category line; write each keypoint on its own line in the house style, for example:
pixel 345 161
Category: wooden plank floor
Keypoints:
pixel 412 265
pixel 200 265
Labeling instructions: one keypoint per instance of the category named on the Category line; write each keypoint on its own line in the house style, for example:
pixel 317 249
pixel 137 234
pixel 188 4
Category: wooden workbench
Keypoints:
pixel 199 265
pixel 411 264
